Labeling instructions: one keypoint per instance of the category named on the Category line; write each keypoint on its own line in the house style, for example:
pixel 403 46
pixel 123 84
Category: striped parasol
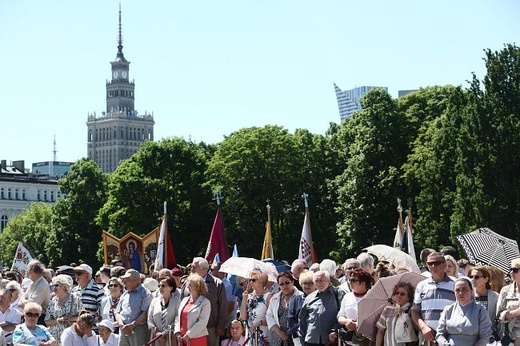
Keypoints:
pixel 483 246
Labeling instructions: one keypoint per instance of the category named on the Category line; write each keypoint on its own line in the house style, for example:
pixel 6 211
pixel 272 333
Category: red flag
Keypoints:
pixel 170 255
pixel 217 240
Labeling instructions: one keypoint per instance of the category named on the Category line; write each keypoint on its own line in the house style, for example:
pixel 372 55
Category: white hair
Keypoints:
pixel 201 262
pixel 329 266
pixel 366 260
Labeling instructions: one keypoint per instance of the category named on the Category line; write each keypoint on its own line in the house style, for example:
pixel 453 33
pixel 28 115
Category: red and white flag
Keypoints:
pixel 306 251
pixel 165 257
pixel 22 257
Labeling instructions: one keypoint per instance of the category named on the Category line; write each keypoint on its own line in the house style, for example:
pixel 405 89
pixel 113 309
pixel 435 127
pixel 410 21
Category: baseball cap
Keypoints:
pixel 131 273
pixel 84 268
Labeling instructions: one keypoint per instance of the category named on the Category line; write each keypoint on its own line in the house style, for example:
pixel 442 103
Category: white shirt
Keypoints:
pixel 12 315
pixel 69 337
pixel 113 340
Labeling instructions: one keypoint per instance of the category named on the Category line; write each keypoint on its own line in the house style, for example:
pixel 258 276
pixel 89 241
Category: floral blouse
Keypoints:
pixel 72 307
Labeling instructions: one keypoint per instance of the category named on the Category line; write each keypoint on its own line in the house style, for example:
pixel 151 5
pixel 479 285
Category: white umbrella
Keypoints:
pixel 396 257
pixel 243 266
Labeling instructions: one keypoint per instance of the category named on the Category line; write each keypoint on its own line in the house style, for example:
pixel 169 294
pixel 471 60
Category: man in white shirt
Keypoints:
pixel 9 316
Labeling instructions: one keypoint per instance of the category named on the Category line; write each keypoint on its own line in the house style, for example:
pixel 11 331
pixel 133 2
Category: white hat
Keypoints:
pixel 84 268
pixel 106 323
pixel 150 284
pixel 26 282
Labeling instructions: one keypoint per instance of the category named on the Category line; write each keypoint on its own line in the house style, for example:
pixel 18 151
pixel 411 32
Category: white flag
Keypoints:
pixel 409 239
pixel 306 247
pixel 159 260
pixel 22 257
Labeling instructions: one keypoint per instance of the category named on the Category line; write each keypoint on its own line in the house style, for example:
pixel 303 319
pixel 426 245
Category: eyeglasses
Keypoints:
pixel 243 283
pixel 112 285
pixel 162 285
pixel 32 314
pixel 12 290
pixel 284 283
pixel 475 276
pixel 254 280
pixel 402 294
pixel 308 283
pixel 515 270
pixel 435 263
pixel 352 268
pixel 353 280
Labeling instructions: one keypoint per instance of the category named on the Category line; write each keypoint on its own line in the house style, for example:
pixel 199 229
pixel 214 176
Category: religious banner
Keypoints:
pixel 132 251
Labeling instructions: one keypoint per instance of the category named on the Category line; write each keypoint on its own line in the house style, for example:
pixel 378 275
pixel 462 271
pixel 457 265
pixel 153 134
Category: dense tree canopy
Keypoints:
pixel 455 150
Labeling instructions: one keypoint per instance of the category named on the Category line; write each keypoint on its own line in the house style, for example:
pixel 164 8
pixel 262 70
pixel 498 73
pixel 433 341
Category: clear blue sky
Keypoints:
pixel 208 68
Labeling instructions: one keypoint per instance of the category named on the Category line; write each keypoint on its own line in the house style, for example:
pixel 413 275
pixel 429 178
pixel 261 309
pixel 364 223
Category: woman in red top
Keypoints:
pixel 193 316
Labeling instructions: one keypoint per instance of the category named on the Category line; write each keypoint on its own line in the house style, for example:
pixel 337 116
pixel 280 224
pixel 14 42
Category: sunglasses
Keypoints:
pixel 243 283
pixel 475 276
pixel 402 294
pixel 12 290
pixel 32 314
pixel 515 270
pixel 254 280
pixel 112 285
pixel 284 283
pixel 435 263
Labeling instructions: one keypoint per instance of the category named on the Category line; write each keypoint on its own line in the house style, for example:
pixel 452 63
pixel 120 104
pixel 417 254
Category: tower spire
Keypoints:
pixel 120 37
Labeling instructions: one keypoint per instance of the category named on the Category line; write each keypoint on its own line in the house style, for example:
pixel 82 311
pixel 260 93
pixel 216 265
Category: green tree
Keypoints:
pixel 254 165
pixel 170 170
pixel 370 183
pixel 76 236
pixel 32 228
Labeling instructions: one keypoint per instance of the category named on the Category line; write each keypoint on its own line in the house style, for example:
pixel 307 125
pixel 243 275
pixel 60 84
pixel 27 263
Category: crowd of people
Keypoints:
pixel 456 303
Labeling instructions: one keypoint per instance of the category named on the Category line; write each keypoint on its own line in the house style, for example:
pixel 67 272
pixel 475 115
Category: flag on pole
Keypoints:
pixel 398 238
pixel 165 257
pixel 267 250
pixel 307 251
pixel 22 257
pixel 235 251
pixel 217 241
pixel 407 243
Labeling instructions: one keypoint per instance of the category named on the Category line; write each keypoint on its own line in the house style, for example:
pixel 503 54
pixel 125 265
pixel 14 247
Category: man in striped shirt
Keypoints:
pixel 91 294
pixel 431 296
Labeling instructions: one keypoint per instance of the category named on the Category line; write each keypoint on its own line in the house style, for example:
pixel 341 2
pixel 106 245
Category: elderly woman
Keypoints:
pixel 237 332
pixel 360 282
pixel 464 323
pixel 296 303
pixel 107 337
pixel 508 306
pixel 277 312
pixel 16 293
pixel 64 307
pixel 193 315
pixel 451 266
pixel 402 296
pixel 253 309
pixel 110 302
pixel 163 310
pixel 80 333
pixel 30 333
pixel 484 295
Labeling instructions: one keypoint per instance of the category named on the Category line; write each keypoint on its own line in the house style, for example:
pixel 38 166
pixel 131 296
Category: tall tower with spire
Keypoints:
pixel 118 133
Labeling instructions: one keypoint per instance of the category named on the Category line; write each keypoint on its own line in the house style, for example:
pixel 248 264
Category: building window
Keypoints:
pixel 45 195
pixel 3 222
pixel 39 198
pixel 23 195
pixel 2 196
pixel 52 196
pixel 16 194
pixel 8 193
